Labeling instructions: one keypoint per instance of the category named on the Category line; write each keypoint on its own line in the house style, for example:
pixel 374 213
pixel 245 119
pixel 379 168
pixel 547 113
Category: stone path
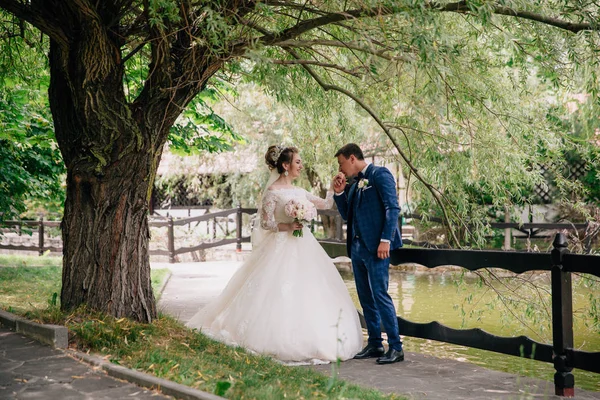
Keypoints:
pixel 30 370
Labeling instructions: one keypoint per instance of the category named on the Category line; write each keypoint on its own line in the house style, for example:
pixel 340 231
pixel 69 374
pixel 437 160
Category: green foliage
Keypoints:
pixel 467 102
pixel 584 144
pixel 161 12
pixel 591 181
pixel 192 190
pixel 317 126
pixel 31 168
pixel 222 387
pixel 200 129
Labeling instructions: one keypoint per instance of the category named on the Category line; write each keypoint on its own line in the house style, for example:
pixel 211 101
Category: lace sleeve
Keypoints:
pixel 267 212
pixel 321 204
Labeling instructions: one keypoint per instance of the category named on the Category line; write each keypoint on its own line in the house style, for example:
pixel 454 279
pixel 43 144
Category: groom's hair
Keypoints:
pixel 350 149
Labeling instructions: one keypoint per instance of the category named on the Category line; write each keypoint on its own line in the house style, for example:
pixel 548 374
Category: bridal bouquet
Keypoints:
pixel 303 211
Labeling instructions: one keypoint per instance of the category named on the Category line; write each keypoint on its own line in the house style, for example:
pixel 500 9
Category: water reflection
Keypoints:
pixel 406 295
pixel 462 301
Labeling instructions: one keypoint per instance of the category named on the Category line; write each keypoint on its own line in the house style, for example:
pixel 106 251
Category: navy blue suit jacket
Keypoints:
pixel 376 207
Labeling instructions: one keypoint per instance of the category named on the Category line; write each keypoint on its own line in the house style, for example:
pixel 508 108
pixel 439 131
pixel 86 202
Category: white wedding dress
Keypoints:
pixel 287 300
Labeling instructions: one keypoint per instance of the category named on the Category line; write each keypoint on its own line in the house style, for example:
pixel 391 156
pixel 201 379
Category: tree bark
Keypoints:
pixel 105 234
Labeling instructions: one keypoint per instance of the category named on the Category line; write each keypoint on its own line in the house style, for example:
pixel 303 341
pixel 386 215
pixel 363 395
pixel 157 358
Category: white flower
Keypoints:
pixel 363 183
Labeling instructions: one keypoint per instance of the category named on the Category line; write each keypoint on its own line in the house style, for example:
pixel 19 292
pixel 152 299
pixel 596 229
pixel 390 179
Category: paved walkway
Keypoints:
pixel 30 370
pixel 192 285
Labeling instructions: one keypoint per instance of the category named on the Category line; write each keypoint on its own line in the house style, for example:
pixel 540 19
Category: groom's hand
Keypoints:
pixel 383 251
pixel 339 182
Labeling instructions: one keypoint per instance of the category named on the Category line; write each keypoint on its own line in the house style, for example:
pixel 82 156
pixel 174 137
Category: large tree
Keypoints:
pixel 111 131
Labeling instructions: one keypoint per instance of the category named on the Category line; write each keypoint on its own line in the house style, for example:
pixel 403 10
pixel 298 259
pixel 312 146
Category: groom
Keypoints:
pixel 370 208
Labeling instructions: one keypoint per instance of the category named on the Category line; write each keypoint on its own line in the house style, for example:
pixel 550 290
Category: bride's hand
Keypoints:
pixel 339 182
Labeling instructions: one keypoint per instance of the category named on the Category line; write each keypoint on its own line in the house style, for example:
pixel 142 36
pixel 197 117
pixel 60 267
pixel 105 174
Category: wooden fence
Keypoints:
pixel 216 218
pixel 40 225
pixel 220 220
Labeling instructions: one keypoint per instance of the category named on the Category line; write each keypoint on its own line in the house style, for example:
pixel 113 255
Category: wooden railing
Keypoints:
pixel 561 265
pixel 214 217
pixel 41 225
pixel 528 230
pixel 217 225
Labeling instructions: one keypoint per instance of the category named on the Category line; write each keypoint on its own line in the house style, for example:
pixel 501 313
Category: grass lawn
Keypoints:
pixel 166 348
pixel 8 260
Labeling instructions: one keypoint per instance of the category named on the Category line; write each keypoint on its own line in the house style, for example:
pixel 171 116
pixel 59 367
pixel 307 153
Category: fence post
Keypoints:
pixel 507 231
pixel 207 222
pixel 338 227
pixel 171 243
pixel 238 229
pixel 41 236
pixel 400 223
pixel 562 319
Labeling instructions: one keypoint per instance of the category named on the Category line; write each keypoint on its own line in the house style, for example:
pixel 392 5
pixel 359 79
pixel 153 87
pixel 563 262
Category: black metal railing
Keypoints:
pixel 561 265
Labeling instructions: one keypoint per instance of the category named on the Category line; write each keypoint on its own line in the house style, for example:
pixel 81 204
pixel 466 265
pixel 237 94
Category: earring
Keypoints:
pixel 286 173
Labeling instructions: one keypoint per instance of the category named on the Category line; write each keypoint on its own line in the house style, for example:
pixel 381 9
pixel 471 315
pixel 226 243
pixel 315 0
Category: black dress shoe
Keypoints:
pixel 391 356
pixel 370 351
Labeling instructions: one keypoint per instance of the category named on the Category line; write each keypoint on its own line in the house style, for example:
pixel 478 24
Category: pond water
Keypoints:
pixel 508 305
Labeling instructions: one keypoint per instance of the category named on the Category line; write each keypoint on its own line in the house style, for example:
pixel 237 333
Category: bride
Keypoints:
pixel 287 300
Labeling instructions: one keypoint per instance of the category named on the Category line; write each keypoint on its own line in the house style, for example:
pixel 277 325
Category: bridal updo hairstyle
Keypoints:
pixel 277 155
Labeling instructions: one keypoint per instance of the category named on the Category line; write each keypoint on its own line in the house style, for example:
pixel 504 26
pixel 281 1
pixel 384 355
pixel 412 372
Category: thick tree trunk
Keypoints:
pixel 105 235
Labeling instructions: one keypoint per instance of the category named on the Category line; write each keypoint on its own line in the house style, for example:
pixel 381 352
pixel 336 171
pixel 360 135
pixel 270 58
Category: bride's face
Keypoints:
pixel 295 167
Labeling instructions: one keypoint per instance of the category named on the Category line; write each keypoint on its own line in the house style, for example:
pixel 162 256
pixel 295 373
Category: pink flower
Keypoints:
pixel 302 211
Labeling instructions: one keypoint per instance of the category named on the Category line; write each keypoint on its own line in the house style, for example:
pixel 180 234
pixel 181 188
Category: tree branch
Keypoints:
pixel 379 11
pixel 294 6
pixel 348 45
pixel 35 18
pixel 133 52
pixel 316 63
pixel 269 39
pixel 328 43
pixel 462 7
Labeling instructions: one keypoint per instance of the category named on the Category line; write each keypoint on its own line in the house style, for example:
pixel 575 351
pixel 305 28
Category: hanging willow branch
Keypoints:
pixel 438 196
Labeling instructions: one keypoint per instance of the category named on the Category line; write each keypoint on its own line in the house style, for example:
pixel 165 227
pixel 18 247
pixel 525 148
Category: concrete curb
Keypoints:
pixel 158 295
pixel 167 387
pixel 54 335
